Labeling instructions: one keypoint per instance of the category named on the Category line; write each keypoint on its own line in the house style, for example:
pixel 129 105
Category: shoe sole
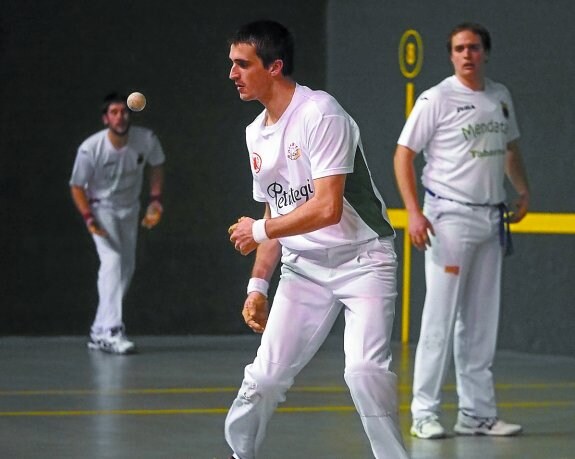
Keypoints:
pixel 486 433
pixel 430 437
pixel 95 347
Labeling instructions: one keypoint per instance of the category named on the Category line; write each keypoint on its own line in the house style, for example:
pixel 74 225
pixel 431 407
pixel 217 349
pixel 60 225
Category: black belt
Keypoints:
pixel 504 224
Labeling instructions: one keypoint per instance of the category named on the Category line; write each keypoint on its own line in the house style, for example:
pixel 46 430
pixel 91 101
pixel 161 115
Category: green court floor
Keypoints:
pixel 60 400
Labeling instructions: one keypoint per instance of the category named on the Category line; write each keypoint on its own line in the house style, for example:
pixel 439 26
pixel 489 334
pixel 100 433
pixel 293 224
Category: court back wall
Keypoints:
pixel 531 55
pixel 57 63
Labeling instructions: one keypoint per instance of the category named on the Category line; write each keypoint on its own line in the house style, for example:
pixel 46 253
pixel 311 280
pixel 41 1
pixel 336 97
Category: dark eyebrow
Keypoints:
pixel 241 62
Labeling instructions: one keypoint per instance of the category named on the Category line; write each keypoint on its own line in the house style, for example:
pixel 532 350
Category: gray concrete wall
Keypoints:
pixel 57 60
pixel 532 56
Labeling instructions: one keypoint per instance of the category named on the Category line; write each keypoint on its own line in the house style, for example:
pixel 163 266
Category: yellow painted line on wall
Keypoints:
pixel 545 223
pixel 534 223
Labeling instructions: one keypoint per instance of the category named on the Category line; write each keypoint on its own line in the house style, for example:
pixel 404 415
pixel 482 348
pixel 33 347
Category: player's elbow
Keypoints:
pixel 331 213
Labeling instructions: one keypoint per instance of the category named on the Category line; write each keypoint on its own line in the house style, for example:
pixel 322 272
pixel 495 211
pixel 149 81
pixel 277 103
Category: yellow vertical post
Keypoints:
pixel 410 62
pixel 409 97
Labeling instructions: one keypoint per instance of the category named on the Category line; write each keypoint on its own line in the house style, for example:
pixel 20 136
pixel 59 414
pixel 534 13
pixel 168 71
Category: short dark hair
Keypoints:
pixel 477 29
pixel 113 98
pixel 271 41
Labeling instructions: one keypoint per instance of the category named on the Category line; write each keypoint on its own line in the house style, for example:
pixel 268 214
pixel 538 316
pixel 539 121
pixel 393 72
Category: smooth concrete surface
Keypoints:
pixel 60 400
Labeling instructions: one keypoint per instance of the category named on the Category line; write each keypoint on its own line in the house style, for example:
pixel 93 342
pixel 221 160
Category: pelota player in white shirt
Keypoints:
pixel 467 130
pixel 106 183
pixel 327 222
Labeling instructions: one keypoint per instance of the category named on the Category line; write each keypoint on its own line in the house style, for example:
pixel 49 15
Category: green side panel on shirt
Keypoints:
pixel 360 194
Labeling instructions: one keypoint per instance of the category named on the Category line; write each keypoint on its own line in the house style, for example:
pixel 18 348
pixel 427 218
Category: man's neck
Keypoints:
pixel 118 141
pixel 283 92
pixel 476 83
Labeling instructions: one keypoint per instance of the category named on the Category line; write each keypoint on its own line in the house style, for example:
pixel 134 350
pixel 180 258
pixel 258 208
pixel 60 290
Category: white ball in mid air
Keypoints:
pixel 136 101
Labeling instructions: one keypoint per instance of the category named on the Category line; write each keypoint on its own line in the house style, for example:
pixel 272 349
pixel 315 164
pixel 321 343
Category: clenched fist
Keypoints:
pixel 153 215
pixel 255 312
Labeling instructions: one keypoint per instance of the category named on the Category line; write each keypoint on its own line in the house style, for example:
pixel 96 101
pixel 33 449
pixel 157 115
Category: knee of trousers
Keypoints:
pixel 269 387
pixel 373 390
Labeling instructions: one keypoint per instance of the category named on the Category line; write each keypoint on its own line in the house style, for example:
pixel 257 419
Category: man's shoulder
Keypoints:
pixel 440 90
pixel 495 86
pixel 318 101
pixel 92 141
pixel 141 131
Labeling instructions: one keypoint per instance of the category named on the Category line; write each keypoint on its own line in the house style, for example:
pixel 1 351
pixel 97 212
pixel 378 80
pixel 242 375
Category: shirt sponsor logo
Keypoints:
pixel 294 152
pixel 472 131
pixel 256 162
pixel 291 197
pixel 487 153
pixel 465 108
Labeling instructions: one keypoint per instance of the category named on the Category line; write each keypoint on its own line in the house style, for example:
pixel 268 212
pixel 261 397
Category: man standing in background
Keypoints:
pixel 467 129
pixel 106 184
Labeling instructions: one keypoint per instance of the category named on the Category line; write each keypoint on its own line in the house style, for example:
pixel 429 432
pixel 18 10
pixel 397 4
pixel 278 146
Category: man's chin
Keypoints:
pixel 121 133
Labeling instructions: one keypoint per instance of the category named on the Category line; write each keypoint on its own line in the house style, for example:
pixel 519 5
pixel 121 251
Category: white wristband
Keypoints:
pixel 257 284
pixel 259 231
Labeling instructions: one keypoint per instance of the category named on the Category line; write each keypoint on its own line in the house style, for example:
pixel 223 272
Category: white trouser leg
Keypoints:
pixel 369 312
pixel 433 352
pixel 476 332
pixel 460 233
pixel 117 253
pixel 306 305
pixel 300 319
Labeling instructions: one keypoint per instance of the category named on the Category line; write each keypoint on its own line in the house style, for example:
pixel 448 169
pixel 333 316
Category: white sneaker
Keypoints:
pixel 473 425
pixel 113 341
pixel 427 428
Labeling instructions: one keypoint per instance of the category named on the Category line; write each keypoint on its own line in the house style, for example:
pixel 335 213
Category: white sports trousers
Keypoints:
pixel 117 253
pixel 463 277
pixel 314 286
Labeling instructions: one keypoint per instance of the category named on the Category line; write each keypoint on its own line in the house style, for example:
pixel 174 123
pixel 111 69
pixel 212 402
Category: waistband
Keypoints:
pixel 504 225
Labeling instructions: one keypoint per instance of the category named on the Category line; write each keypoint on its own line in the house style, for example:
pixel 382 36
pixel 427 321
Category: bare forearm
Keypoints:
pixel 80 199
pixel 405 177
pixel 515 169
pixel 156 180
pixel 267 258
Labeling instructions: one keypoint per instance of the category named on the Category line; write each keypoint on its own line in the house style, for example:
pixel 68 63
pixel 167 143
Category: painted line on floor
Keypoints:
pixel 219 390
pixel 300 409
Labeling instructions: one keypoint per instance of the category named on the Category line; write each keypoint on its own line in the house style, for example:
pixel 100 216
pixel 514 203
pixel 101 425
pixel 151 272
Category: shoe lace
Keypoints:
pixel 482 422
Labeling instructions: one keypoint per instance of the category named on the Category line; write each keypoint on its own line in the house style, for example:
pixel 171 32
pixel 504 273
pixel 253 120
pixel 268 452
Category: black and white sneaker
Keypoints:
pixel 474 425
pixel 112 341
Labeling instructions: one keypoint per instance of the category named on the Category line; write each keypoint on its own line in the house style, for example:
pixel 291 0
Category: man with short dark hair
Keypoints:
pixel 467 129
pixel 106 183
pixel 327 222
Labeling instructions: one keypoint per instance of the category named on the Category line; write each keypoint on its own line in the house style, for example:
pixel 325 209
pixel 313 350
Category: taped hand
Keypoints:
pixel 153 215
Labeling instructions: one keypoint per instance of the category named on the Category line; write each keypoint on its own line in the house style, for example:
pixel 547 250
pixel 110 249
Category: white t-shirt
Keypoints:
pixel 464 136
pixel 114 177
pixel 315 138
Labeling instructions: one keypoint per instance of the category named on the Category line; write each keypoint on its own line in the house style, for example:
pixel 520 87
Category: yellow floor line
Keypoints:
pixel 300 409
pixel 218 390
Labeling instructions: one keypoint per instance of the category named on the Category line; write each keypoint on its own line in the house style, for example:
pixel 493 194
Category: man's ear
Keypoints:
pixel 105 120
pixel 276 67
